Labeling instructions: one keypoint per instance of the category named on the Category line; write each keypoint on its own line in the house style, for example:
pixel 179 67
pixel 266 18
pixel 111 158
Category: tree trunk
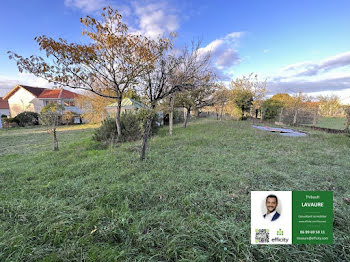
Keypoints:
pixel 145 136
pixel 242 111
pixel 295 116
pixel 222 110
pixel 187 116
pixel 315 117
pixel 117 117
pixel 55 141
pixel 262 114
pixel 171 115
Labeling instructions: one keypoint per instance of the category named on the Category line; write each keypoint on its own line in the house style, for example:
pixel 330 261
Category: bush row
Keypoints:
pixel 24 119
pixel 28 118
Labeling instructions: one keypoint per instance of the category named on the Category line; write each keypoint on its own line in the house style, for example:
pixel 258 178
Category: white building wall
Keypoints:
pixel 20 101
pixel 38 104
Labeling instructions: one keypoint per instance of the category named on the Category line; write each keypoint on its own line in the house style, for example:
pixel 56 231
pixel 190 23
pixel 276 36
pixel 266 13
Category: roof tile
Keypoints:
pixel 4 104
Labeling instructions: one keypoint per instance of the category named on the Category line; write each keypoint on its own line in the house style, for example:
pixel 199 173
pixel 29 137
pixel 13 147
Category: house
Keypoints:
pixel 27 98
pixel 4 107
pixel 128 104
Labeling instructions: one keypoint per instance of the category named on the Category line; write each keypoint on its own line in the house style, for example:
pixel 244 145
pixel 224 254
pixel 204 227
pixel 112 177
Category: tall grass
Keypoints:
pixel 189 201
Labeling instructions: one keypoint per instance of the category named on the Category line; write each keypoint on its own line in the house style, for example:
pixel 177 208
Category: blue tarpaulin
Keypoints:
pixel 282 131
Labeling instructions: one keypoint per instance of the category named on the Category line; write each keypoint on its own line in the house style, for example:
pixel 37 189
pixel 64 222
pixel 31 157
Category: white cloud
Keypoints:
pixel 7 83
pixel 151 18
pixel 87 6
pixel 266 51
pixel 331 75
pixel 227 58
pixel 234 35
pixel 311 69
pixel 336 61
pixel 224 53
pixel 155 19
pixel 309 85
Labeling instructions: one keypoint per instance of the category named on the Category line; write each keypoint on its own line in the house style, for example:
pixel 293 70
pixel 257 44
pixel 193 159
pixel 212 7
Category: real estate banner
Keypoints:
pixel 292 217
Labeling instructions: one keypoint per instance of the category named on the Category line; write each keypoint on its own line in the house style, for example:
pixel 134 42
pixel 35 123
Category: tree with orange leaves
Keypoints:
pixel 114 60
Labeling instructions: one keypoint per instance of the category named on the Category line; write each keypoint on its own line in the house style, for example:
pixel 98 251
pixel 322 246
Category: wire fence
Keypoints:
pixel 312 116
pixel 298 116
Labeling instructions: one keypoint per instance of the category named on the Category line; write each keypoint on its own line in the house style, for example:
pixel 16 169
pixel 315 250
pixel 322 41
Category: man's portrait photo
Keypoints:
pixel 271 217
pixel 271 205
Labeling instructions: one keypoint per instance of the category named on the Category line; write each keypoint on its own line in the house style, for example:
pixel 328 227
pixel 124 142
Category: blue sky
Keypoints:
pixel 300 45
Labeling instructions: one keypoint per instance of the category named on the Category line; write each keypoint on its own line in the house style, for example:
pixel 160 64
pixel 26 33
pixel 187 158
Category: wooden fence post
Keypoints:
pixel 347 114
pixel 281 115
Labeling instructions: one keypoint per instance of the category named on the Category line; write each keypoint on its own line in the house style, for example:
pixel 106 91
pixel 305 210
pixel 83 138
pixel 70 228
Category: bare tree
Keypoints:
pixel 170 74
pixel 199 96
pixel 248 92
pixel 193 69
pixel 113 60
pixel 160 81
pixel 329 105
pixel 220 98
pixel 49 116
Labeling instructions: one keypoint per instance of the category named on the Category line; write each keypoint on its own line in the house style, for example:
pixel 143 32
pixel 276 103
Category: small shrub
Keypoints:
pixel 107 132
pixel 27 119
pixel 143 115
pixel 10 122
pixel 132 124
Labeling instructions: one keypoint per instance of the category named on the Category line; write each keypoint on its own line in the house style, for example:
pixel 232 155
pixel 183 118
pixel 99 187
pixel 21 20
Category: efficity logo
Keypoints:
pixel 280 232
pixel 280 238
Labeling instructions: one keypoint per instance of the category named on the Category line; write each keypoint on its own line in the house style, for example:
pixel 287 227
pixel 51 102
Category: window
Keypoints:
pixel 46 102
pixel 69 103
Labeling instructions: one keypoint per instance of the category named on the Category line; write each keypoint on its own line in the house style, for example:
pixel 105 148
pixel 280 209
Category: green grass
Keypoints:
pixel 189 201
pixel 36 138
pixel 331 122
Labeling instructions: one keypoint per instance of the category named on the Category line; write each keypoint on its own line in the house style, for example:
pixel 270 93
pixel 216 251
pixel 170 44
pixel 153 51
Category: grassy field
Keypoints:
pixel 189 201
pixel 331 122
